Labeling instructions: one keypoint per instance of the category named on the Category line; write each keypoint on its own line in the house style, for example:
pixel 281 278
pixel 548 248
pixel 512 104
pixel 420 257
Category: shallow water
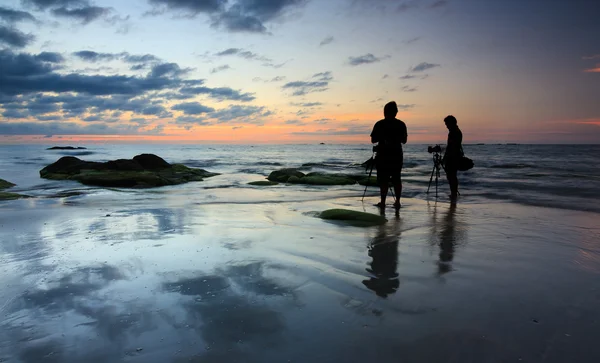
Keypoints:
pixel 219 271
pixel 557 176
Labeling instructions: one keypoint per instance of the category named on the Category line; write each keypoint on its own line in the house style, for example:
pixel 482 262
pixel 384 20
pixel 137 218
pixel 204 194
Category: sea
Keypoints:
pixel 553 176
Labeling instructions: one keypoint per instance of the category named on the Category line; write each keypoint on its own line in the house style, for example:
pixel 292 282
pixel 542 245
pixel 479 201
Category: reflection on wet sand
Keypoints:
pixel 447 233
pixel 264 282
pixel 447 240
pixel 383 251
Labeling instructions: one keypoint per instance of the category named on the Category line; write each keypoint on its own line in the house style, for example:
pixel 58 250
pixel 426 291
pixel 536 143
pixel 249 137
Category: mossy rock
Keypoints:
pixel 327 179
pixel 282 175
pixel 293 176
pixel 353 218
pixel 11 196
pixel 263 183
pixel 368 181
pixel 143 171
pixel 5 184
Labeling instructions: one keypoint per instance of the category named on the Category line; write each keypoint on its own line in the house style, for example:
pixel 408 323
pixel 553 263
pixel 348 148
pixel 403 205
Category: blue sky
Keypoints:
pixel 298 70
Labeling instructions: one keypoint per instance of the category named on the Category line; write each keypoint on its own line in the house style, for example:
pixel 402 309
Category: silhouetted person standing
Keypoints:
pixel 389 134
pixel 453 154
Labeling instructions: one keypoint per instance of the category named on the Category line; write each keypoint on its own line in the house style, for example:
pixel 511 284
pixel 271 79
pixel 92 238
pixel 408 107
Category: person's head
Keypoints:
pixel 390 110
pixel 450 122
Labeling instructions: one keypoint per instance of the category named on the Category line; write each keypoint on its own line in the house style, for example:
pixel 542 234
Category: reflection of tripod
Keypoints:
pixel 437 163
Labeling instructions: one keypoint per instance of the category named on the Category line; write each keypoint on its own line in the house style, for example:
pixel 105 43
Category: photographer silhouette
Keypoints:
pixel 389 134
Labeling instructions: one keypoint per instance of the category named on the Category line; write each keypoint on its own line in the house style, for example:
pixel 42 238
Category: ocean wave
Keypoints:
pixel 512 166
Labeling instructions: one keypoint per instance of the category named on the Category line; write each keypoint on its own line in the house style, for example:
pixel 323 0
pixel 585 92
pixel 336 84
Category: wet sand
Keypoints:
pixel 169 280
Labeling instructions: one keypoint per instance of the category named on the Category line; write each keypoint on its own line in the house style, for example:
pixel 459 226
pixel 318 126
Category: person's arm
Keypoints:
pixel 404 134
pixel 374 135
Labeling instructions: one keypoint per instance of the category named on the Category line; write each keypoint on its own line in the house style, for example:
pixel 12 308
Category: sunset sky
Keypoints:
pixel 295 71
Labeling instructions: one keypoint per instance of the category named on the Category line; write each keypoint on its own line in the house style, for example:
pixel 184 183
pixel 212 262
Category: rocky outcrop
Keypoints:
pixel 66 148
pixel 294 176
pixel 8 196
pixel 353 218
pixel 143 171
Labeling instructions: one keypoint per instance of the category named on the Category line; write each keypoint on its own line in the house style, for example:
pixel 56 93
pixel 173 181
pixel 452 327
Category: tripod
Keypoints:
pixel 437 163
pixel 371 163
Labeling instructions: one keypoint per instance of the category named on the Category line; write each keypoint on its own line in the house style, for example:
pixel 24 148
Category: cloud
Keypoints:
pixel 412 40
pixel 220 68
pixel 423 66
pixel 323 76
pixel 220 93
pixel 191 7
pixel 250 114
pixel 595 56
pixel 439 4
pixel 14 38
pixel 295 122
pixel 246 54
pixel 233 16
pixel 68 128
pixel 192 108
pixel 385 76
pixel 359 130
pixel 13 16
pixel 300 88
pixel 139 62
pixel 92 56
pixel 593 70
pixel 306 104
pixel 168 70
pixel 409 89
pixel 274 79
pixel 45 4
pixel 50 57
pixel 406 106
pixel 363 59
pixel 327 40
pixel 80 10
pixel 84 14
pixel 407 5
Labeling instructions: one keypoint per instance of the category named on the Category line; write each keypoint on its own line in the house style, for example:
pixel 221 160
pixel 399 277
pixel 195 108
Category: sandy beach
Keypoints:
pixel 166 279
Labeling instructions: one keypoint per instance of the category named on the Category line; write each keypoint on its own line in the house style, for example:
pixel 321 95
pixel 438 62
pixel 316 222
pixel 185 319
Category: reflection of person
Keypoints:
pixel 389 134
pixel 453 154
pixel 448 240
pixel 384 253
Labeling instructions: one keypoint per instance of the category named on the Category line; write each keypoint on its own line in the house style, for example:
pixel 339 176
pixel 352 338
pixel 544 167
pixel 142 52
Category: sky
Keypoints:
pixel 298 71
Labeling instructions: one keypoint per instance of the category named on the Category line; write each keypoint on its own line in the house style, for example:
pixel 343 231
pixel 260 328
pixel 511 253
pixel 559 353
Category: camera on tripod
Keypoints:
pixel 434 149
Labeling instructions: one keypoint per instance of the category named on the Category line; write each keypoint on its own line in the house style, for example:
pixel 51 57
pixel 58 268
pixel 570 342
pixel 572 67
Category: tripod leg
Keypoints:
pixel 367 184
pixel 430 179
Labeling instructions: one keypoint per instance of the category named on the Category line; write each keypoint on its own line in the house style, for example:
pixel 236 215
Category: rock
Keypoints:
pixel 283 175
pixel 151 162
pixel 369 181
pixel 263 183
pixel 5 184
pixel 66 148
pixel 11 196
pixel 354 218
pixel 143 171
pixel 293 176
pixel 327 179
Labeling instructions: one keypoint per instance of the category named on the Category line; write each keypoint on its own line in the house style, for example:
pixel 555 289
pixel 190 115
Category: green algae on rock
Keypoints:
pixel 354 218
pixel 5 184
pixel 143 171
pixel 9 196
pixel 263 183
pixel 294 176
